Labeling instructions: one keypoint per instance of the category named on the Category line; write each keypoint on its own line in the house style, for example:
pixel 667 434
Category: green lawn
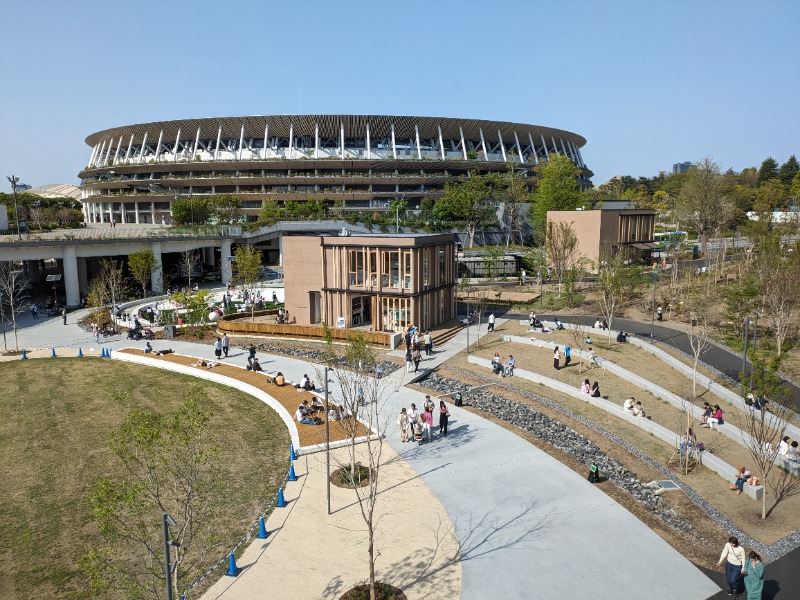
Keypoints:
pixel 55 418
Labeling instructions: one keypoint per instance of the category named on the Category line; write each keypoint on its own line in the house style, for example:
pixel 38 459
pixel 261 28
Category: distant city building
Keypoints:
pixel 681 167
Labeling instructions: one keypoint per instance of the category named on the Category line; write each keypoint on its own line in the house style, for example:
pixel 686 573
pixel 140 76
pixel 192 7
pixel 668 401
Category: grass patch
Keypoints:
pixel 55 418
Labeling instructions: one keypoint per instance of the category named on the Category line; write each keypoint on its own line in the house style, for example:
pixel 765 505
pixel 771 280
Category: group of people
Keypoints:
pixel 414 347
pixel 741 568
pixel 557 357
pixel 308 414
pixel 788 450
pixel 222 346
pixel 417 425
pixel 633 407
pixel 503 370
pixel 592 390
pixel 711 416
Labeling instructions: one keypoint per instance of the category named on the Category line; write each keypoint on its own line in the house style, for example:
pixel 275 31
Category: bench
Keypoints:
pixel 756 492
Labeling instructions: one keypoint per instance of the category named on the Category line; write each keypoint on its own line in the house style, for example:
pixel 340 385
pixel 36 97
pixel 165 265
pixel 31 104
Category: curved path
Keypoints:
pixel 525 523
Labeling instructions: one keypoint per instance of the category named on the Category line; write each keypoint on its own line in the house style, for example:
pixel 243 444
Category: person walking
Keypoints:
pixel 34 311
pixel 96 332
pixel 428 341
pixel 409 360
pixel 491 322
pixel 567 355
pixel 660 312
pixel 733 555
pixel 251 354
pixel 402 423
pixel 556 358
pixel 64 314
pixel 226 344
pixel 753 573
pixel 444 417
pixel 416 356
pixel 218 348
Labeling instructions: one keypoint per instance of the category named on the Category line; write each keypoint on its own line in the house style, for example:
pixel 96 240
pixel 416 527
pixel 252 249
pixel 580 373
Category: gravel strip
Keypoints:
pixel 564 438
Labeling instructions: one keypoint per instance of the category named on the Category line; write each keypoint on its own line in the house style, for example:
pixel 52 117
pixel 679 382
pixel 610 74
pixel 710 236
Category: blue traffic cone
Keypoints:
pixel 53 354
pixel 108 353
pixel 102 352
pixel 262 529
pixel 292 455
pixel 281 500
pixel 80 353
pixel 233 570
pixel 24 355
pixel 292 476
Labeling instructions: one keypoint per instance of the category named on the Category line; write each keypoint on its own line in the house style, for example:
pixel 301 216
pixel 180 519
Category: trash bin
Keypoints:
pixel 169 331
pixel 695 252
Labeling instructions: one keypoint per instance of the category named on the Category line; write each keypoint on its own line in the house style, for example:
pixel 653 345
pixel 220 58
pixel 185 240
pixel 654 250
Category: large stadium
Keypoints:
pixel 351 161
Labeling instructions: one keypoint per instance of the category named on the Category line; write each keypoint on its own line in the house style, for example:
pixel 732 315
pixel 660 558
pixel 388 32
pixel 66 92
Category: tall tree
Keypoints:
pixel 270 212
pixel 13 294
pixel 111 280
pixel 794 190
pixel 513 188
pixel 768 170
pixel 616 284
pixel 557 190
pixel 562 248
pixel 702 203
pixel 788 171
pixel 169 464
pixel 466 200
pixel 142 264
pixel 190 211
pixel 190 265
pixel 227 209
pixel 247 265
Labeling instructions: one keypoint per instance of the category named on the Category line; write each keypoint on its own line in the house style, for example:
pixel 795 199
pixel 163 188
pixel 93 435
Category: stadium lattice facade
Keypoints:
pixel 355 161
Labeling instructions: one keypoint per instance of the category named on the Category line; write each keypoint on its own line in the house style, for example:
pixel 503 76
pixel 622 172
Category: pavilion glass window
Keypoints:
pixel 356 269
pixel 396 313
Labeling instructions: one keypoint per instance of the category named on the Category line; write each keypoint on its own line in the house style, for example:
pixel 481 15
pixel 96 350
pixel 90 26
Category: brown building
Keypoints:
pixel 616 229
pixel 388 282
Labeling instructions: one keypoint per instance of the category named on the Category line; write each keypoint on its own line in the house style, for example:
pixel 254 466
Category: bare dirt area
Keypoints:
pixel 744 511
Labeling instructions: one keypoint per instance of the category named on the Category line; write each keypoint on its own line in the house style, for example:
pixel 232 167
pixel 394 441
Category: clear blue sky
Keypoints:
pixel 647 83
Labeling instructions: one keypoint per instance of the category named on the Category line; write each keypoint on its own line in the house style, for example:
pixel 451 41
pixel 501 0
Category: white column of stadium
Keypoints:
pixel 483 145
pixel 394 145
pixel 533 147
pixel 108 152
pixel 502 145
pixel 441 142
pixel 219 137
pixel 144 145
pixel 369 146
pixel 419 147
pixel 316 140
pixel 266 138
pixel 119 146
pixel 291 140
pixel 241 142
pixel 544 145
pixel 463 143
pixel 130 147
pixel 158 145
pixel 341 138
pixel 519 148
pixel 177 141
pixel 100 154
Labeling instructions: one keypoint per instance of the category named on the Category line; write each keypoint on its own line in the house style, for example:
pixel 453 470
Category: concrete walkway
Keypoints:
pixel 521 518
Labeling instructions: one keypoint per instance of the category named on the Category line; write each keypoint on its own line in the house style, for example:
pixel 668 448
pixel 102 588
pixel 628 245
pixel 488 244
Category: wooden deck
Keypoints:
pixel 244 327
pixel 288 396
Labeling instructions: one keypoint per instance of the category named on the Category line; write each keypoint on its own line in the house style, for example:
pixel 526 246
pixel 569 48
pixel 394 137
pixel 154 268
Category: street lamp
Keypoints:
pixel 14 181
pixel 654 276
pixel 166 521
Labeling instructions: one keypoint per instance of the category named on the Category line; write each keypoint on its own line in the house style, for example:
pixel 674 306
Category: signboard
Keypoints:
pixel 340 323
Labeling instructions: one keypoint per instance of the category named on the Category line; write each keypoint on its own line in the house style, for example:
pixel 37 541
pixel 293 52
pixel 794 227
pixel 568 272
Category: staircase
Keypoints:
pixel 442 336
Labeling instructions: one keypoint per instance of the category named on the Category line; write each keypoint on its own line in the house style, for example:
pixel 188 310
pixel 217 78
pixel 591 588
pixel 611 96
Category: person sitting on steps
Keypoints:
pixel 280 379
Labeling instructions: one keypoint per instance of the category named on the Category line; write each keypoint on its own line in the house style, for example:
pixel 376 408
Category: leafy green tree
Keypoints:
pixel 142 264
pixel 702 203
pixel 794 191
pixel 491 258
pixel 768 170
pixel 197 307
pixel 190 211
pixel 246 270
pixel 168 464
pixel 270 212
pixel 741 297
pixel 557 190
pixel 788 171
pixel 226 208
pixel 466 200
pixel 562 248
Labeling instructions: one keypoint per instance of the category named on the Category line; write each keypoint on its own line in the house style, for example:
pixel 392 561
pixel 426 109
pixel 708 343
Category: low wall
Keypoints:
pixel 244 327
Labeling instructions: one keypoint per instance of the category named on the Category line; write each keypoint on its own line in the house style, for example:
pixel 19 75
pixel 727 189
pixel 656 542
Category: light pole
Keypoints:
pixel 166 521
pixel 654 277
pixel 327 438
pixel 14 181
pixel 540 275
pixel 744 354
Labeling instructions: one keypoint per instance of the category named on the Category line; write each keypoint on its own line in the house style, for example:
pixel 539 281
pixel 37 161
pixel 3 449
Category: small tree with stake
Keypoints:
pixel 248 262
pixel 361 394
pixel 142 264
pixel 763 428
pixel 13 294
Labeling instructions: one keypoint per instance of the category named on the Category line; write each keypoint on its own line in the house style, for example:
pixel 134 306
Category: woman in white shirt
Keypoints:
pixel 734 554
